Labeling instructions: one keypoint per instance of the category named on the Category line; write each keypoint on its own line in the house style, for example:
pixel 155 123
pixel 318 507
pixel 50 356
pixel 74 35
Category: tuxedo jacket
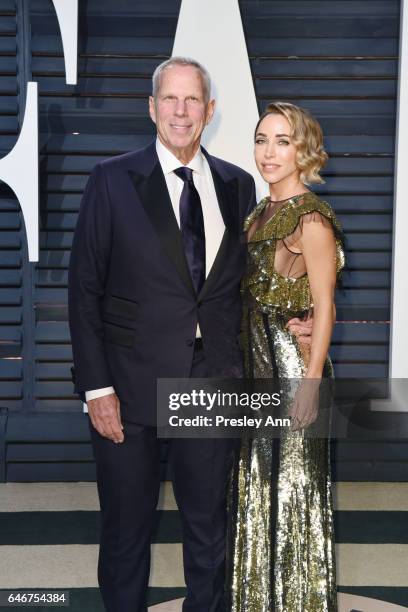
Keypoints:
pixel 133 309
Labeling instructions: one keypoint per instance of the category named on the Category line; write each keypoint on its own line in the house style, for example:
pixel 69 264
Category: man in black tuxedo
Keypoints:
pixel 154 278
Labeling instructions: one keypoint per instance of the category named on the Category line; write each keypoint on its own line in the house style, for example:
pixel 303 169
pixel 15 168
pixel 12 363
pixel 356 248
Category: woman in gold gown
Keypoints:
pixel 281 540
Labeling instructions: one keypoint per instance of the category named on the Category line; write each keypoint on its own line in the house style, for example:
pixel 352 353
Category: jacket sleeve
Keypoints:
pixel 88 270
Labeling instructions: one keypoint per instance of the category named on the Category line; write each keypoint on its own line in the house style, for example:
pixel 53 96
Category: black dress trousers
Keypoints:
pixel 128 477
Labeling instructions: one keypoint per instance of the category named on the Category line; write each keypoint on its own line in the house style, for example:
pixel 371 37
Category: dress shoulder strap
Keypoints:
pixel 288 218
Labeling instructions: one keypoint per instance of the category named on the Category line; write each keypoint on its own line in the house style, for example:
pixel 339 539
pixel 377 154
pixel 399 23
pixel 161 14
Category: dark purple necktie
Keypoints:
pixel 192 227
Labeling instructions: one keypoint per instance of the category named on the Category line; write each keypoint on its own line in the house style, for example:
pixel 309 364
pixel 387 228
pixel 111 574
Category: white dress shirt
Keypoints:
pixel 213 222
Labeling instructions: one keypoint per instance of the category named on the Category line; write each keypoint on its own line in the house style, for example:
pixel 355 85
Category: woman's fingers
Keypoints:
pixel 303 411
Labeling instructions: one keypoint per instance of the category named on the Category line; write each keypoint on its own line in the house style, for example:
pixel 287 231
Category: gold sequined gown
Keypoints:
pixel 281 540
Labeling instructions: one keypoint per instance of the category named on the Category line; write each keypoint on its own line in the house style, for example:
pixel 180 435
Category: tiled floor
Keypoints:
pixel 49 536
pixel 346 604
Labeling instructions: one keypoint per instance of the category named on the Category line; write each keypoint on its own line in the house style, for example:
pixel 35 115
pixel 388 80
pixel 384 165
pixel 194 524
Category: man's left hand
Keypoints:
pixel 302 329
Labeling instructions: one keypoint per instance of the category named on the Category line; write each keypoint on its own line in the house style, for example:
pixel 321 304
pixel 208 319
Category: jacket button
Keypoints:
pixel 189 342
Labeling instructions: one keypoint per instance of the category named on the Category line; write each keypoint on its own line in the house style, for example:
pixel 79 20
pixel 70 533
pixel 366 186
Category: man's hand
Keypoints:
pixel 104 413
pixel 301 329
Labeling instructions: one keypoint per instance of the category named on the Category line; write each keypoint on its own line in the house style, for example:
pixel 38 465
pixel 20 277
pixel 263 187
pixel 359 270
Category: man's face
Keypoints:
pixel 180 111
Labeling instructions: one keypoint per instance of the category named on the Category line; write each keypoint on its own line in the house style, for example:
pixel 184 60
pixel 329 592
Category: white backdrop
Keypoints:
pixel 399 299
pixel 211 32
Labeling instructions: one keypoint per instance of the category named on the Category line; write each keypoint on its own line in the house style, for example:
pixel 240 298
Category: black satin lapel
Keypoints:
pixel 218 265
pixel 227 200
pixel 226 194
pixel 156 202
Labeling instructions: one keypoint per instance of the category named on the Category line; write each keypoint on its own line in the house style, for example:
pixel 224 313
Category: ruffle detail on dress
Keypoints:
pixel 267 286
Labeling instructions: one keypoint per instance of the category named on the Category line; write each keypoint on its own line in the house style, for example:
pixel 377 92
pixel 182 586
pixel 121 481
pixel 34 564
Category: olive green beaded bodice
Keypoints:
pixel 269 288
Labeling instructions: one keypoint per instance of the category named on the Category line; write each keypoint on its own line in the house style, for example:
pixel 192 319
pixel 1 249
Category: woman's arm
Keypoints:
pixel 318 247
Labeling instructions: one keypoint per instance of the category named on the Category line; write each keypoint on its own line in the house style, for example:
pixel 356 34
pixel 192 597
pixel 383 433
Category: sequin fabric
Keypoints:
pixel 281 538
pixel 266 285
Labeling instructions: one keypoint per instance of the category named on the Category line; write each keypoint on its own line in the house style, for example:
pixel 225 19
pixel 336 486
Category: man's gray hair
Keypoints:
pixel 182 61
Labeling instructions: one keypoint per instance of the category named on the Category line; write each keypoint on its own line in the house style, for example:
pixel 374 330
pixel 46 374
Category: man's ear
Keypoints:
pixel 210 111
pixel 152 109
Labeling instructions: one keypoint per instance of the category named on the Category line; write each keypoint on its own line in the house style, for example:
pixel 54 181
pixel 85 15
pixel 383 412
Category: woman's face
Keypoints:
pixel 275 155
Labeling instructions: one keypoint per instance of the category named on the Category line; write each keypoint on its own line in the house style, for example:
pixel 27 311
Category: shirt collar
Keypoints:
pixel 169 162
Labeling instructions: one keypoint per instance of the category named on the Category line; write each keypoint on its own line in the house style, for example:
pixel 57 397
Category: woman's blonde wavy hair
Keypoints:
pixel 306 135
